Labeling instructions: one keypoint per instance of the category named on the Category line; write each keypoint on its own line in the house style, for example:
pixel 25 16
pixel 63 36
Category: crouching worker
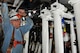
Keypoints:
pixel 13 30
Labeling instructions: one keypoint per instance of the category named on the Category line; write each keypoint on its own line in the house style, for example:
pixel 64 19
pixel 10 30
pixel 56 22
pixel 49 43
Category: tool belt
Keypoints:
pixel 15 43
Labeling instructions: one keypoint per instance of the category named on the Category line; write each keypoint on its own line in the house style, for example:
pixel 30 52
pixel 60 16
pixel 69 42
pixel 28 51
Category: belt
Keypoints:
pixel 15 43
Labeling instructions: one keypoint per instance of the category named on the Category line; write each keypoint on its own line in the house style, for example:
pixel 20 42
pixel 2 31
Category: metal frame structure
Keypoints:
pixel 57 11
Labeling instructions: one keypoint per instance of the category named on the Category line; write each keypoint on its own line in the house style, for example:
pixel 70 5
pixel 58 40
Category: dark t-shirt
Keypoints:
pixel 30 5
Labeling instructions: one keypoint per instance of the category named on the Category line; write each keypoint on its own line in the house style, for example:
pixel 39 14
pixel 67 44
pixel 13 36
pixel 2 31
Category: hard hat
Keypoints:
pixel 12 13
pixel 17 16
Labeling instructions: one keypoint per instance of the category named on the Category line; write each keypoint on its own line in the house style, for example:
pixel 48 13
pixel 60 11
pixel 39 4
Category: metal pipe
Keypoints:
pixel 76 6
pixel 58 35
pixel 46 16
pixel 15 3
pixel 73 37
pixel 51 36
pixel 26 38
pixel 19 5
pixel 45 36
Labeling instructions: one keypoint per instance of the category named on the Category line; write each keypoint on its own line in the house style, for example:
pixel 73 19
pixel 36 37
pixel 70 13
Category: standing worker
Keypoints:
pixel 13 31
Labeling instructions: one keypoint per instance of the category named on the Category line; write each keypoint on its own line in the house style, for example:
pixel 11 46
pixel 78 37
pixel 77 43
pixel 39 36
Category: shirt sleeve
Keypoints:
pixel 4 12
pixel 27 26
pixel 6 21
